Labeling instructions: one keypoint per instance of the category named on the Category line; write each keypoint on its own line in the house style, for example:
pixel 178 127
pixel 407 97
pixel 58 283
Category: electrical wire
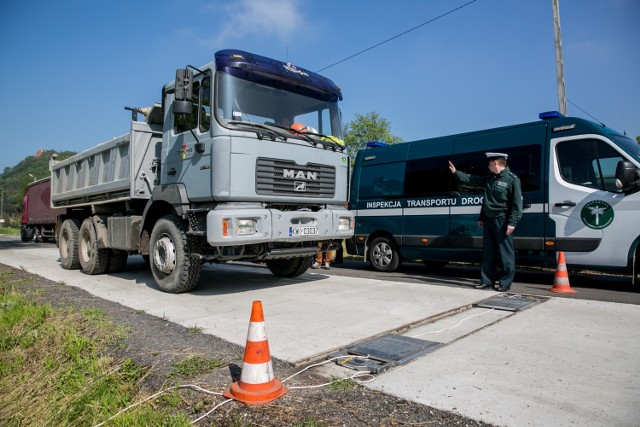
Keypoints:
pixel 454 326
pixel 398 35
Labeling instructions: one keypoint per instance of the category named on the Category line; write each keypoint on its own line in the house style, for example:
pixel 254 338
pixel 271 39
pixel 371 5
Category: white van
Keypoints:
pixel 580 183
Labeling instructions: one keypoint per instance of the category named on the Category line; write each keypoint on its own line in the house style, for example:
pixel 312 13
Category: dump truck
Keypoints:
pixel 241 160
pixel 38 219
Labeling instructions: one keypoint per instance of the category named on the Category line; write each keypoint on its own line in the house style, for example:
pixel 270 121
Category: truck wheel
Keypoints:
pixel 117 261
pixel 292 267
pixel 93 260
pixel 172 266
pixel 384 255
pixel 68 239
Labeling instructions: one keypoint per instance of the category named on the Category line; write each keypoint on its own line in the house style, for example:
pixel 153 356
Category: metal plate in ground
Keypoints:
pixel 511 302
pixel 386 351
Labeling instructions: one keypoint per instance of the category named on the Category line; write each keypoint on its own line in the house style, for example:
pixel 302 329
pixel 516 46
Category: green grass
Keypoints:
pixel 12 231
pixel 194 365
pixel 55 367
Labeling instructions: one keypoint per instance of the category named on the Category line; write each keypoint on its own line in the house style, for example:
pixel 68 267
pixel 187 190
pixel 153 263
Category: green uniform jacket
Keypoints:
pixel 502 194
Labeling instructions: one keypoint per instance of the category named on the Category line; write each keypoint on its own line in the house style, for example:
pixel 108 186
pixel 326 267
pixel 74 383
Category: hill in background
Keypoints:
pixel 14 181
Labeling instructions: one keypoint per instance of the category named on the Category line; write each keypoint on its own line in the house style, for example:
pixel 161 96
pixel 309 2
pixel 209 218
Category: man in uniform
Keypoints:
pixel 500 213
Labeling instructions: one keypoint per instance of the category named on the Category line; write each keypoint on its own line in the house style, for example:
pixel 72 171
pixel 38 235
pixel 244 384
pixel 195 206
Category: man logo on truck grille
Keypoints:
pixel 299 186
pixel 597 214
pixel 294 174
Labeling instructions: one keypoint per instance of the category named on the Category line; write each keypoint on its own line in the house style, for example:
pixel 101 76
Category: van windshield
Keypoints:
pixel 245 101
pixel 628 145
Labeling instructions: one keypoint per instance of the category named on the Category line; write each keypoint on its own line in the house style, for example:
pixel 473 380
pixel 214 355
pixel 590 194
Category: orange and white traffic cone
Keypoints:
pixel 561 279
pixel 257 383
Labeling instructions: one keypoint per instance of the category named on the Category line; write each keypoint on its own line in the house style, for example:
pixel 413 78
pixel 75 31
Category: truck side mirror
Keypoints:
pixel 627 175
pixel 184 92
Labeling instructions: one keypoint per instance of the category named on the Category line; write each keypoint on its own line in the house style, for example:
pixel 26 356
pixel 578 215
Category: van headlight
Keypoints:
pixel 344 223
pixel 245 227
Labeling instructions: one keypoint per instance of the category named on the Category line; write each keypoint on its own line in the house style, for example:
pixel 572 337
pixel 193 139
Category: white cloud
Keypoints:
pixel 267 18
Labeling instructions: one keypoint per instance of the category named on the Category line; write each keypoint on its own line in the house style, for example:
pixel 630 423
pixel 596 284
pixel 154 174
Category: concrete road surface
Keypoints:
pixel 558 363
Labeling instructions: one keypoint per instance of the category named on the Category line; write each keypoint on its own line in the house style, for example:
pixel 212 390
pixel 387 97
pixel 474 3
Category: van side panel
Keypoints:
pixel 526 147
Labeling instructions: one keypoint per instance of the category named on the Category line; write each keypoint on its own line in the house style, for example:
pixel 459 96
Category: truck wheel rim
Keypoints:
pixel 382 254
pixel 164 256
pixel 85 249
pixel 64 245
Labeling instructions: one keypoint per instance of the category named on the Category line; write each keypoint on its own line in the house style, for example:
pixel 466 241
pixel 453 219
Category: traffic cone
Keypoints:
pixel 257 384
pixel 561 279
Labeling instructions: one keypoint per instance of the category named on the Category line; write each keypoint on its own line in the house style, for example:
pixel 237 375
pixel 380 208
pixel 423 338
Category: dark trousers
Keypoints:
pixel 497 246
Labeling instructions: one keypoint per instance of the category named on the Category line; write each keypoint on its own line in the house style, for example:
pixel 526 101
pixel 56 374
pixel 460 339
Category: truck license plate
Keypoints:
pixel 303 231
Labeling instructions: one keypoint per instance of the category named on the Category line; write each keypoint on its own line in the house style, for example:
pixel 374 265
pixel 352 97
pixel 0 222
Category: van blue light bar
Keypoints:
pixel 376 144
pixel 550 115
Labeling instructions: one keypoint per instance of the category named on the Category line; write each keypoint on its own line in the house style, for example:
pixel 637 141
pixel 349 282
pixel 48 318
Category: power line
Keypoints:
pixel 399 35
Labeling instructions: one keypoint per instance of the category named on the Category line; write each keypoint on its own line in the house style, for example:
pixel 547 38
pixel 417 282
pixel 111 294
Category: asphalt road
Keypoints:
pixel 589 286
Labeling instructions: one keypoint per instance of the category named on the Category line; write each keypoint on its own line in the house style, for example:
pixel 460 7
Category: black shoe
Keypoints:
pixel 484 285
pixel 504 288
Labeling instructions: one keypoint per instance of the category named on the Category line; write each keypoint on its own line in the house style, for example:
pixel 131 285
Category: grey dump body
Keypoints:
pixel 213 174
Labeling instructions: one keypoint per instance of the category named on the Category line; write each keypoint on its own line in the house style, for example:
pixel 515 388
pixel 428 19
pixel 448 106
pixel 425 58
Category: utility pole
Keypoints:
pixel 562 98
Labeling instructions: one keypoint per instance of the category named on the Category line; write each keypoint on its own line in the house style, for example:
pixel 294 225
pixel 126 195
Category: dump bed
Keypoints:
pixel 121 169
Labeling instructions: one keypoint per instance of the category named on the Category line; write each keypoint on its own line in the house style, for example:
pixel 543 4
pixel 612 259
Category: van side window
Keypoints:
pixel 589 163
pixel 381 181
pixel 428 177
pixel 524 161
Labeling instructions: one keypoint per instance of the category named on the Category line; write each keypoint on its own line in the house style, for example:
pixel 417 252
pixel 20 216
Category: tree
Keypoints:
pixel 366 128
pixel 638 139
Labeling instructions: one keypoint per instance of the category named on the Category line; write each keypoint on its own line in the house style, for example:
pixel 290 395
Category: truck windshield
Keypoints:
pixel 240 100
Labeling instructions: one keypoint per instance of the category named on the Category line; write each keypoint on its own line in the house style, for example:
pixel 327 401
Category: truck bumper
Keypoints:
pixel 232 226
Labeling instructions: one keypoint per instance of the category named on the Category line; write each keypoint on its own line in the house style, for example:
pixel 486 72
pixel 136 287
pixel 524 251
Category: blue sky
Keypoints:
pixel 69 67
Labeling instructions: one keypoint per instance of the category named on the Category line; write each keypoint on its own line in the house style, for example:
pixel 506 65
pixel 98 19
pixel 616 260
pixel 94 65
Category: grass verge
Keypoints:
pixel 55 367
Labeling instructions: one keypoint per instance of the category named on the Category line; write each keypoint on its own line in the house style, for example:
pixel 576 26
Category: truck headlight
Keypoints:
pixel 344 223
pixel 245 226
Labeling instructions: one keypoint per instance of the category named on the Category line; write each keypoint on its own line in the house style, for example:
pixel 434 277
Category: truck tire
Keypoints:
pixel 68 244
pixel 292 267
pixel 172 265
pixel 117 261
pixel 27 234
pixel 93 260
pixel 384 255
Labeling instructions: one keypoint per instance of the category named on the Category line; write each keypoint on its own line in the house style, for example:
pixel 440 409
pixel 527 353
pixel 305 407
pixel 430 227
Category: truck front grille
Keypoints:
pixel 287 178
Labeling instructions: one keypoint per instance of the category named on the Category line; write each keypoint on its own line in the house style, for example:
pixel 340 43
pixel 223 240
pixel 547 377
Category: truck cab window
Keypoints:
pixel 200 116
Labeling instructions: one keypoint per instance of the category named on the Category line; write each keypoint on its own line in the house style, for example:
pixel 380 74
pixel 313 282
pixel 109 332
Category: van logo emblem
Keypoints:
pixel 300 186
pixel 597 214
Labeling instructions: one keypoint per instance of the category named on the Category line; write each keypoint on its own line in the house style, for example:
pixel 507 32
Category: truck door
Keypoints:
pixel 595 224
pixel 187 159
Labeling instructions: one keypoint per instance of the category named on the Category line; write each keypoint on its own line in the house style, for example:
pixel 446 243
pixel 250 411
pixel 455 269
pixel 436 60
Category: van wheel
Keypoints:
pixel 384 255
pixel 292 267
pixel 68 244
pixel 93 260
pixel 172 265
pixel 117 261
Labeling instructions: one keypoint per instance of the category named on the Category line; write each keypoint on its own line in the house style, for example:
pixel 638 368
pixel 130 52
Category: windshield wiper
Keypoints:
pixel 273 134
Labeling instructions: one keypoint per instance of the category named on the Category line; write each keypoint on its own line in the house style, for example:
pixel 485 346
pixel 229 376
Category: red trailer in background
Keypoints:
pixel 38 221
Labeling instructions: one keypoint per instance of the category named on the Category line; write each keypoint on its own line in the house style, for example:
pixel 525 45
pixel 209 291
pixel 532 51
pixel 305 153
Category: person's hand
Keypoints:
pixel 510 229
pixel 481 224
pixel 451 167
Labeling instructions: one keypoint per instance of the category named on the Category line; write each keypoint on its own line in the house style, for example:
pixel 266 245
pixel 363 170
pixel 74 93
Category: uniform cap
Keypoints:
pixel 496 156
